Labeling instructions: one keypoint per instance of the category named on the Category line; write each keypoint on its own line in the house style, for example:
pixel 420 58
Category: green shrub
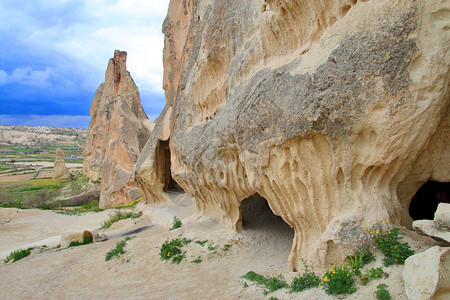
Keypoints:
pixel 374 273
pixel 18 254
pixel 356 262
pixel 226 247
pixel 201 243
pixel 339 280
pixel 118 251
pixel 308 280
pixel 197 260
pixel 387 240
pixel 91 205
pixel 176 223
pixel 86 240
pixel 171 250
pixel 271 283
pixel 382 293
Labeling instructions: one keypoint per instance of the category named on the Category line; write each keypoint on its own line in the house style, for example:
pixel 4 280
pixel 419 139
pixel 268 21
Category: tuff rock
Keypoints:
pixel 117 133
pixel 439 228
pixel 335 112
pixel 60 171
pixel 427 275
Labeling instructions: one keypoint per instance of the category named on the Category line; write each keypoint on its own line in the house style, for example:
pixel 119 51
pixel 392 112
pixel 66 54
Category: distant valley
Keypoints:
pixel 42 139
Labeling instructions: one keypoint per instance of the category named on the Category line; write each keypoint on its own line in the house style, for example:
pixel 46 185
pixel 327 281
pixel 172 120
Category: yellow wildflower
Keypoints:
pixel 325 278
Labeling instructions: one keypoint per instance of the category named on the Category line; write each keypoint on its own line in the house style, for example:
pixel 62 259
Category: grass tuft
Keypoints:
pixel 18 254
pixel 119 216
pixel 118 251
pixel 270 283
pixel 176 223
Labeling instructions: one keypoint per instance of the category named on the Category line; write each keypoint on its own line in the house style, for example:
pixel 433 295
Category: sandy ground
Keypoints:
pixel 83 273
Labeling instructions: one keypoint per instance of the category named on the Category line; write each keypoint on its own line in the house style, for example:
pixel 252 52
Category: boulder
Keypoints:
pixel 426 275
pixel 439 228
pixel 76 236
pixel 335 112
pixel 60 171
pixel 442 217
pixel 118 131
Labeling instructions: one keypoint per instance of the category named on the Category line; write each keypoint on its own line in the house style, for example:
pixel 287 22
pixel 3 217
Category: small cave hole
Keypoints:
pixel 426 200
pixel 164 170
pixel 261 225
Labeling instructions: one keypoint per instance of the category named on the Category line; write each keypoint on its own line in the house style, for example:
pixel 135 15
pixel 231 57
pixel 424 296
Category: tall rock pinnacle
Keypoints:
pixel 118 130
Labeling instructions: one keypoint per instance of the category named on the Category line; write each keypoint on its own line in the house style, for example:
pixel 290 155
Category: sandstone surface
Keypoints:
pixel 335 112
pixel 427 274
pixel 439 228
pixel 76 236
pixel 60 171
pixel 117 133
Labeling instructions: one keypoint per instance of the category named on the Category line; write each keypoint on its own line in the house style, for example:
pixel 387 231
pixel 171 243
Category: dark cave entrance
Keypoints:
pixel 258 218
pixel 425 202
pixel 164 168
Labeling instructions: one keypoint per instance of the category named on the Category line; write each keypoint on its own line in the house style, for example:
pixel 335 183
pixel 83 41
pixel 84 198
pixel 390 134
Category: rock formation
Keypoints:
pixel 336 112
pixel 117 133
pixel 60 170
pixel 427 274
pixel 439 228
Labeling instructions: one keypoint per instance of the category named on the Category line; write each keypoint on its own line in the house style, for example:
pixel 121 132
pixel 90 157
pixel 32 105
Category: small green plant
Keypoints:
pixel 119 216
pixel 244 284
pixel 356 262
pixel 119 250
pixel 171 250
pixel 91 206
pixel 212 247
pixel 176 223
pixel 387 240
pixel 136 216
pixel 374 273
pixel 382 292
pixel 339 280
pixel 307 280
pixel 226 247
pixel 201 243
pixel 18 254
pixel 197 260
pixel 86 240
pixel 271 283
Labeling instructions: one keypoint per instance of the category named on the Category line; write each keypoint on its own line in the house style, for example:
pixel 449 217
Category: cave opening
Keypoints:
pixel 426 200
pixel 164 168
pixel 261 225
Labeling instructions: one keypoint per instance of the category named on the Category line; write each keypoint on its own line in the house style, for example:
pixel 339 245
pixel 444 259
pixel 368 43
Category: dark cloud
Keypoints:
pixel 54 54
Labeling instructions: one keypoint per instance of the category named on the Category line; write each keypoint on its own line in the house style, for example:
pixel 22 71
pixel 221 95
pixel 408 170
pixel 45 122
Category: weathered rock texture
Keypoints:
pixel 117 133
pixel 439 228
pixel 427 275
pixel 334 111
pixel 60 170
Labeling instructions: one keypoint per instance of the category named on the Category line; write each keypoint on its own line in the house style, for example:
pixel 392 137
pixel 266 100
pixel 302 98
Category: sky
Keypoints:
pixel 54 54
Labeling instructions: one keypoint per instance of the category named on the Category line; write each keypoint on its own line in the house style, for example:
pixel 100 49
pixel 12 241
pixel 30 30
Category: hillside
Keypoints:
pixel 41 139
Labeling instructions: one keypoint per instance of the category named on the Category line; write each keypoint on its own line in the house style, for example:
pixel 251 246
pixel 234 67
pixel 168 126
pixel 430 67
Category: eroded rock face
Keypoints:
pixel 117 133
pixel 336 112
pixel 60 171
